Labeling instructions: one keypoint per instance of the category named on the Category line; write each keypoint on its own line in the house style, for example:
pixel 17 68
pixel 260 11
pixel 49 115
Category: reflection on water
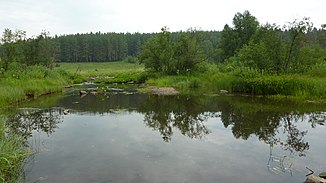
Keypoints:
pixel 278 125
pixel 28 120
pixel 163 113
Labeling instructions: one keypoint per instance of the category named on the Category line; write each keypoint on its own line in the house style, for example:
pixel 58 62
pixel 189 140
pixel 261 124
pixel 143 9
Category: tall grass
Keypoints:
pixel 20 83
pixel 248 81
pixel 17 84
pixel 12 156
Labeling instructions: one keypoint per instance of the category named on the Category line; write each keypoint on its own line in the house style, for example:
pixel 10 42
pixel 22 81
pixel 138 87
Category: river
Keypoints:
pixel 136 137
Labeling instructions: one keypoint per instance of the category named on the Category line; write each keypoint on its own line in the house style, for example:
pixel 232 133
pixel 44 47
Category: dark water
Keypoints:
pixel 145 138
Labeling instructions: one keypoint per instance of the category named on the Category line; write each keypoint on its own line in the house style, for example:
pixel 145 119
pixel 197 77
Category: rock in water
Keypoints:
pixel 66 111
pixel 82 92
pixel 224 92
pixel 322 175
pixel 314 179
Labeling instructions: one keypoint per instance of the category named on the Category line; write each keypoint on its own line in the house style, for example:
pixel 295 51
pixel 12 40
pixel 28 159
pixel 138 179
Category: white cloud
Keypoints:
pixel 73 16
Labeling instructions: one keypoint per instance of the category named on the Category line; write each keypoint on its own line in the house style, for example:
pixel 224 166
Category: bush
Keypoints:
pixel 130 60
pixel 318 70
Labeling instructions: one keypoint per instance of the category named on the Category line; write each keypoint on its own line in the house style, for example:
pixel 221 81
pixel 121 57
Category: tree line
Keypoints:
pixel 89 47
pixel 295 47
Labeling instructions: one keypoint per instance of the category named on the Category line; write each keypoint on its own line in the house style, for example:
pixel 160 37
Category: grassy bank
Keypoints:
pixel 17 84
pixel 20 83
pixel 214 78
pixel 12 156
pixel 108 72
pixel 209 79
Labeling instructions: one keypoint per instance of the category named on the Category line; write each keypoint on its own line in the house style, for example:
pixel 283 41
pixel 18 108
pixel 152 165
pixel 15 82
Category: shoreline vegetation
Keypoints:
pixel 246 58
pixel 20 83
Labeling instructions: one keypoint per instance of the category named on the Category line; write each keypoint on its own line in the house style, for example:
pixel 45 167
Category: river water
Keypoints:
pixel 133 137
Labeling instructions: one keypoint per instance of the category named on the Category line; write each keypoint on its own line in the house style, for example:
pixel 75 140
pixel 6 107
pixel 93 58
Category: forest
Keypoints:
pixel 88 47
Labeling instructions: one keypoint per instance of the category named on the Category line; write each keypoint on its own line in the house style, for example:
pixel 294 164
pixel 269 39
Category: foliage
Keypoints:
pixel 162 54
pixel 157 53
pixel 264 51
pixel 12 156
pixel 275 51
pixel 21 82
pixel 9 43
pixel 187 52
pixel 233 39
pixel 16 48
pixel 297 30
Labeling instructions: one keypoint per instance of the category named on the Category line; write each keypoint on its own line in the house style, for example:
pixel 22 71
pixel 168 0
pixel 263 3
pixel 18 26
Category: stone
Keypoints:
pixel 66 111
pixel 94 92
pixel 314 179
pixel 165 91
pixel 223 92
pixel 322 175
pixel 82 92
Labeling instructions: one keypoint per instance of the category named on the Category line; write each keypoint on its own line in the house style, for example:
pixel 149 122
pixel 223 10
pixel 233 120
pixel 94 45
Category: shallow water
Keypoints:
pixel 130 137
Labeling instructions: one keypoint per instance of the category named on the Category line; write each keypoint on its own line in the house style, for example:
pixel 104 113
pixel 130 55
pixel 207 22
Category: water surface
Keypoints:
pixel 131 137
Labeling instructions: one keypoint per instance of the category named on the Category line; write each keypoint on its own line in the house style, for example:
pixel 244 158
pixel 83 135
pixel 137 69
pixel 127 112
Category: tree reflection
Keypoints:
pixel 272 123
pixel 317 118
pixel 274 127
pixel 27 121
pixel 164 113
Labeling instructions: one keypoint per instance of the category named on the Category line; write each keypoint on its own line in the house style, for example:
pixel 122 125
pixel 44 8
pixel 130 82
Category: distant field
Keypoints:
pixel 101 68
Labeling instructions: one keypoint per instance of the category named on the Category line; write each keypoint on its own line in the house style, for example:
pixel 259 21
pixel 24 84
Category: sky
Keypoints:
pixel 146 16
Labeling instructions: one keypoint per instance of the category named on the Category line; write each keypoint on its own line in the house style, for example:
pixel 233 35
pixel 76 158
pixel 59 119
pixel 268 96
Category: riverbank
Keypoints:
pixel 213 79
pixel 210 79
pixel 18 84
pixel 12 156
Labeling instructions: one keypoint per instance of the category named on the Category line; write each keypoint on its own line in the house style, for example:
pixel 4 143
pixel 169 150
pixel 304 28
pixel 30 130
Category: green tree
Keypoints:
pixel 228 43
pixel 187 52
pixel 179 56
pixel 245 25
pixel 157 53
pixel 297 31
pixel 264 51
pixel 10 42
pixel 233 39
pixel 39 50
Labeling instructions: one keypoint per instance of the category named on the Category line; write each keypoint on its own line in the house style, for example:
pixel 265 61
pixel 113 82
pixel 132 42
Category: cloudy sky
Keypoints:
pixel 81 16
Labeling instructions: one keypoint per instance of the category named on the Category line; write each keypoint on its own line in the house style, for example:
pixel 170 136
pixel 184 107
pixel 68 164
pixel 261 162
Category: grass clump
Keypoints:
pixel 12 156
pixel 21 82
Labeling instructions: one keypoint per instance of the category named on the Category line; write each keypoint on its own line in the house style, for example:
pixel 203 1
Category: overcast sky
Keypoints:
pixel 81 16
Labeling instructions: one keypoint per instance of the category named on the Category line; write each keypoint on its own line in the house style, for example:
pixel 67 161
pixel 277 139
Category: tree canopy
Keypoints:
pixel 166 56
